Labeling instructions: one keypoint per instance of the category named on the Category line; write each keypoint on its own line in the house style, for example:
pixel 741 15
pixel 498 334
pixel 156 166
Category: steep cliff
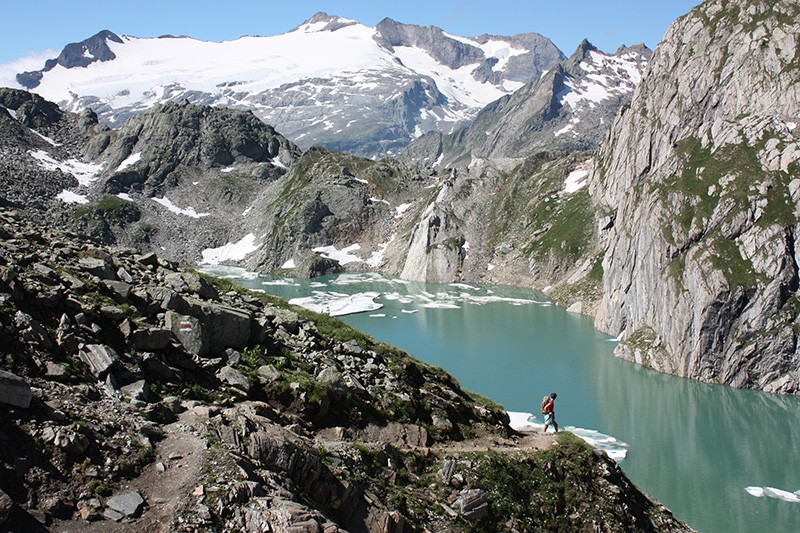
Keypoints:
pixel 700 177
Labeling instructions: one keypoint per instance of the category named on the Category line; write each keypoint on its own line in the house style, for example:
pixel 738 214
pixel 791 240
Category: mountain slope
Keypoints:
pixel 701 179
pixel 569 108
pixel 141 397
pixel 359 89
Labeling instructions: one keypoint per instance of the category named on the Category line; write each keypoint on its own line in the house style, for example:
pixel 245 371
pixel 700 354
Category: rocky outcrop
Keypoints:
pixel 700 178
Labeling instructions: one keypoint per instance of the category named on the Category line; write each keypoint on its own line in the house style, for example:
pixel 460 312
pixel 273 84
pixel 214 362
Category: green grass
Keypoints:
pixel 112 208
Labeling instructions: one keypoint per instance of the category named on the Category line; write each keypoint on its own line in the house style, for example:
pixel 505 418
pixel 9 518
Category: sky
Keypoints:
pixel 34 31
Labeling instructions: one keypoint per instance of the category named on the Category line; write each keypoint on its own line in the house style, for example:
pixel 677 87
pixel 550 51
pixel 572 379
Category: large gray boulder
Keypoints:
pixel 127 504
pixel 14 390
pixel 98 357
pixel 189 331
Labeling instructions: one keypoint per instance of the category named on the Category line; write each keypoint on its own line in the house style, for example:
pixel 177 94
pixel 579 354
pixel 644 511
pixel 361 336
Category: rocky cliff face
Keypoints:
pixel 139 393
pixel 700 175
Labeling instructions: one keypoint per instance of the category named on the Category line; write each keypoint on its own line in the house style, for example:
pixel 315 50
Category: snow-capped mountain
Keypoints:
pixel 331 81
pixel 569 108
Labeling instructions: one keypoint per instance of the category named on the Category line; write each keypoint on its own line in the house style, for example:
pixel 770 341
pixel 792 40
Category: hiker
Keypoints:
pixel 548 410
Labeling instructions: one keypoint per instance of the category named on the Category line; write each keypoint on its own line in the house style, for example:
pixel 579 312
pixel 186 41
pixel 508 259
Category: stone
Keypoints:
pixel 119 290
pixel 472 504
pixel 32 330
pixel 151 339
pixel 441 423
pixel 234 378
pixel 138 390
pixel 227 327
pixel 55 371
pixel 148 259
pixel 447 470
pixel 154 367
pixel 111 514
pixel 14 390
pixel 98 357
pixel 173 403
pixel 189 331
pixel 124 275
pixel 128 504
pixel 6 505
pixel 113 313
pixel 90 509
pixel 268 373
pixel 70 441
pixel 97 267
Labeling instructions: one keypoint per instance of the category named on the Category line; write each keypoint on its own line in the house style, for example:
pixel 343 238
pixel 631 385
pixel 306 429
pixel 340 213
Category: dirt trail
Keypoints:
pixel 182 452
pixel 531 441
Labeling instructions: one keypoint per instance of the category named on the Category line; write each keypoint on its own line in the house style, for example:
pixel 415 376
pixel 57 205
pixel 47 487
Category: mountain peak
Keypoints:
pixel 81 54
pixel 584 48
pixel 322 21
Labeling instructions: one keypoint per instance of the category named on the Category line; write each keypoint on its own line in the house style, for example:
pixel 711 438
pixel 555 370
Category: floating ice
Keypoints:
pixel 283 282
pixel 778 494
pixel 228 272
pixel 523 421
pixel 616 449
pixel 338 304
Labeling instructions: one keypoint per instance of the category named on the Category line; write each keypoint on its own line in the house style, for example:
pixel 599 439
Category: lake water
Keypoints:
pixel 723 460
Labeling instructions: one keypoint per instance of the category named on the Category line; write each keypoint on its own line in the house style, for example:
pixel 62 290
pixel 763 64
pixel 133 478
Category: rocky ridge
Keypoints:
pixel 700 178
pixel 138 396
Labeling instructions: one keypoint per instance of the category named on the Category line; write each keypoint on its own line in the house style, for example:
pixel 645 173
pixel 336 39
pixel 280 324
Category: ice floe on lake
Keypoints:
pixel 770 492
pixel 338 304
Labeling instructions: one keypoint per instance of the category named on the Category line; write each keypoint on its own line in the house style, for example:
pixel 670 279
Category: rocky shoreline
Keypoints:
pixel 140 396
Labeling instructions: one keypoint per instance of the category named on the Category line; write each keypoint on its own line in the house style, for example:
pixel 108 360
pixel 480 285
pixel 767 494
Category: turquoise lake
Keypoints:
pixel 721 459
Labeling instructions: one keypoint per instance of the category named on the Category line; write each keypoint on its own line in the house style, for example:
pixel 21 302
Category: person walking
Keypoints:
pixel 549 413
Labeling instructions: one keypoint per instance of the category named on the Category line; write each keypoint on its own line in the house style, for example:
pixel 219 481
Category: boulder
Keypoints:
pixel 97 267
pixel 472 504
pixel 148 259
pixel 226 327
pixel 151 339
pixel 153 366
pixel 189 331
pixel 234 378
pixel 98 357
pixel 6 504
pixel 14 390
pixel 138 390
pixel 32 331
pixel 119 290
pixel 127 504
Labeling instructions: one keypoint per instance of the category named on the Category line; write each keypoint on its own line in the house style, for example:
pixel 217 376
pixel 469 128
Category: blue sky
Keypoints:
pixel 36 28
